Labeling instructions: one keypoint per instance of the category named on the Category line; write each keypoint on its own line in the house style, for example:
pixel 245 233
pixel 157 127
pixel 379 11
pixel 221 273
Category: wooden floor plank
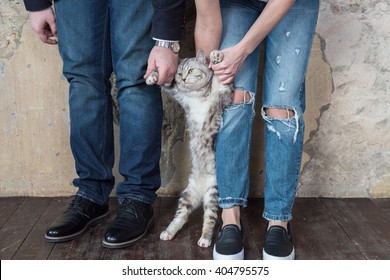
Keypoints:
pixel 175 249
pixel 384 204
pixel 322 229
pixel 8 206
pixel 254 229
pixel 317 235
pixel 19 225
pixel 365 224
pixel 95 250
pixel 195 225
pixel 35 246
pixel 146 248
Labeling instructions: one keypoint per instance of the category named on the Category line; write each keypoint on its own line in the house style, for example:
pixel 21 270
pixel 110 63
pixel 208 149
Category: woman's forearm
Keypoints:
pixel 208 27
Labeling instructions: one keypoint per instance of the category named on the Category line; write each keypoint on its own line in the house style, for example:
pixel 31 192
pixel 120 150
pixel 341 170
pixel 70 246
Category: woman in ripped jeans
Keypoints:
pixel 286 28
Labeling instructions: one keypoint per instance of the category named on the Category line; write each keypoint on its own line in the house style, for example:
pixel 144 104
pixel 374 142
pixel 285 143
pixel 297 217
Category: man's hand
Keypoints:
pixel 44 24
pixel 165 61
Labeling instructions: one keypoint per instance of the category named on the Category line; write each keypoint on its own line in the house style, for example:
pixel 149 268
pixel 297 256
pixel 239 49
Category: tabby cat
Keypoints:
pixel 203 98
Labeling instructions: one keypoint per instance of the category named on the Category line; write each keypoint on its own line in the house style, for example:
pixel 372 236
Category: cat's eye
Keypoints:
pixel 190 71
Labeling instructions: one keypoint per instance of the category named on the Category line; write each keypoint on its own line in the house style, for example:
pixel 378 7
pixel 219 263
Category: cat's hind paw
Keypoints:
pixel 204 242
pixel 166 236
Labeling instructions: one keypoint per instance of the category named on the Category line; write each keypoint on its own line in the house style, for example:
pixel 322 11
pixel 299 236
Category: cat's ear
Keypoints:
pixel 201 57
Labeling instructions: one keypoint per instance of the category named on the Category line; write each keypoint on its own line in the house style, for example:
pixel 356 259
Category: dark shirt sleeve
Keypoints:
pixel 168 19
pixel 36 5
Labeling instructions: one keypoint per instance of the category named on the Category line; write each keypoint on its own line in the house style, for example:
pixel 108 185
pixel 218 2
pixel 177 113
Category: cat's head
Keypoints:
pixel 193 73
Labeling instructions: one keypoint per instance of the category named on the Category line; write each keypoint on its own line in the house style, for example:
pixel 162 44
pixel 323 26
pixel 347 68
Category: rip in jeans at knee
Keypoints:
pixel 242 97
pixel 290 120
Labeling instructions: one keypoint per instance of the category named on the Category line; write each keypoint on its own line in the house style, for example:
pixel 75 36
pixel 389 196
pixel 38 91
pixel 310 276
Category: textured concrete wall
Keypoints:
pixel 349 154
pixel 347 144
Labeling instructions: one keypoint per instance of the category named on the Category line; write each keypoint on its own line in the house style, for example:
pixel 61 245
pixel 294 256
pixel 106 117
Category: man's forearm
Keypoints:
pixel 168 20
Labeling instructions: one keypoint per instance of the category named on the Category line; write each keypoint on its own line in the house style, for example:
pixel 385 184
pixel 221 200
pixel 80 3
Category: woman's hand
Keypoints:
pixel 227 69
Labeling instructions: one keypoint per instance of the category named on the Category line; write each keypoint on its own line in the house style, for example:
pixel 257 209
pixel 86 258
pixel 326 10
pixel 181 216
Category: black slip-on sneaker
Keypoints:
pixel 229 245
pixel 278 244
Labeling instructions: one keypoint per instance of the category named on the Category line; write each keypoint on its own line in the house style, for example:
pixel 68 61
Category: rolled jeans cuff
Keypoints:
pixel 230 202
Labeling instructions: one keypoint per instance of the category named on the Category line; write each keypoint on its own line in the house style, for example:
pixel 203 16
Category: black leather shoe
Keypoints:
pixel 133 222
pixel 74 222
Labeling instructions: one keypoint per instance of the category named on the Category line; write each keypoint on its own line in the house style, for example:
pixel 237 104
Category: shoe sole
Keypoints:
pixel 218 256
pixel 129 242
pixel 268 257
pixel 78 234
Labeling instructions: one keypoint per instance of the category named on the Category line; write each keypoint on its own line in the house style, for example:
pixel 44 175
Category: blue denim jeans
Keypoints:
pixel 287 51
pixel 96 38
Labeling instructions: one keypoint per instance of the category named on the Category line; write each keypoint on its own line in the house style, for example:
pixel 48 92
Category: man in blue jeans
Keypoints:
pixel 96 38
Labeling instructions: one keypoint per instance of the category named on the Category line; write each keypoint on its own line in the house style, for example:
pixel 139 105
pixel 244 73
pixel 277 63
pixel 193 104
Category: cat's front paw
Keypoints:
pixel 165 235
pixel 152 78
pixel 204 242
pixel 216 56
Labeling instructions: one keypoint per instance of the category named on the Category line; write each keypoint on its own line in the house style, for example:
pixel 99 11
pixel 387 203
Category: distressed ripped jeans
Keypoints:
pixel 287 51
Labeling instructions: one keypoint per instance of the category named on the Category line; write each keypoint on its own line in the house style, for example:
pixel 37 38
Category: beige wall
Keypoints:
pixel 347 139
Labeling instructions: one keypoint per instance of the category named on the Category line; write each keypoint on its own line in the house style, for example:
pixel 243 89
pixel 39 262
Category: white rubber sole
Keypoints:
pixel 267 257
pixel 238 256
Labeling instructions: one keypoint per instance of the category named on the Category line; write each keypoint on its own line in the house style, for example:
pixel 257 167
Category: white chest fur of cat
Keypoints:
pixel 203 98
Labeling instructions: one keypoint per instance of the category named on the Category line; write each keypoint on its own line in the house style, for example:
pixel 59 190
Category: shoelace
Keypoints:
pixel 129 208
pixel 77 204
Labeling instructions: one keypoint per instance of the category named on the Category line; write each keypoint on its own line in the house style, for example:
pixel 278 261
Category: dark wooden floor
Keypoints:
pixel 323 229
